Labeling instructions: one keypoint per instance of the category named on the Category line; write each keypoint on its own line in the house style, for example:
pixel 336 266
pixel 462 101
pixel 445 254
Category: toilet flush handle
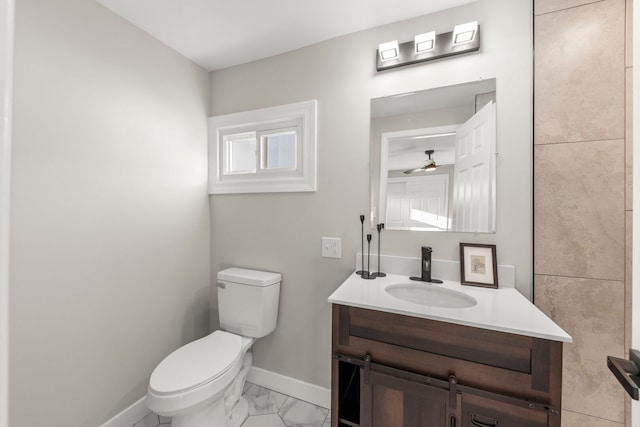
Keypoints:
pixel 221 285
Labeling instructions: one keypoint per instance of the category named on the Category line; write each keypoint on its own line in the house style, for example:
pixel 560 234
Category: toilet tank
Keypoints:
pixel 248 301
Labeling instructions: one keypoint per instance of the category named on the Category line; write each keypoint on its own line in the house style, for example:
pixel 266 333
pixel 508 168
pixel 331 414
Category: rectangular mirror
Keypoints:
pixel 433 159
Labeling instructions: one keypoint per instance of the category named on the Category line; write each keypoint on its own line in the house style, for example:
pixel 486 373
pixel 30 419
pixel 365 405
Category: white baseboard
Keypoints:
pixel 290 386
pixel 282 384
pixel 129 416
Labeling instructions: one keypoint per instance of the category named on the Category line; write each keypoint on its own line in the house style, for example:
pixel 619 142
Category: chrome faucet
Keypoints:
pixel 425 267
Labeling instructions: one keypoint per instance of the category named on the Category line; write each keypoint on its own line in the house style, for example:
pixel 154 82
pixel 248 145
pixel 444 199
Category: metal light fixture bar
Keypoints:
pixel 444 47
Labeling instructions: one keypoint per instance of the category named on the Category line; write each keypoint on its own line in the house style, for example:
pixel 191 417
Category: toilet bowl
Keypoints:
pixel 200 384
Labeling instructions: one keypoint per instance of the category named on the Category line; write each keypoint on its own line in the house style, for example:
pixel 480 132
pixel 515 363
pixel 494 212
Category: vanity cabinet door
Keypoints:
pixel 479 411
pixel 500 379
pixel 388 401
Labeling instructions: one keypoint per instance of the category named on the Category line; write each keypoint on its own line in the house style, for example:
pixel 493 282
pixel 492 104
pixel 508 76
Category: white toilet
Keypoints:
pixel 200 384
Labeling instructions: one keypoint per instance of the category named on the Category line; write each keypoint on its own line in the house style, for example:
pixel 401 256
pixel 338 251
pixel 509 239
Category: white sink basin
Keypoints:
pixel 430 295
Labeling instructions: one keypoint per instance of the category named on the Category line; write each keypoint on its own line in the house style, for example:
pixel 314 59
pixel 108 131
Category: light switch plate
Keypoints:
pixel 331 247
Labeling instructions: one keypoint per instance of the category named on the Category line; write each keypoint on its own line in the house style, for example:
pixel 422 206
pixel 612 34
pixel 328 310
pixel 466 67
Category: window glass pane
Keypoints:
pixel 241 154
pixel 279 150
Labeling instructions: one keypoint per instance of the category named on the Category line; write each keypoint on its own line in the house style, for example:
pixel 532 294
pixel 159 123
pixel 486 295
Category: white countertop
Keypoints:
pixel 503 309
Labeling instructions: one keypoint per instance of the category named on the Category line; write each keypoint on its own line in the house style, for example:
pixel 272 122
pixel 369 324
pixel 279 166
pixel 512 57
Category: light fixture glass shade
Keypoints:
pixel 425 42
pixel 465 33
pixel 430 167
pixel 388 50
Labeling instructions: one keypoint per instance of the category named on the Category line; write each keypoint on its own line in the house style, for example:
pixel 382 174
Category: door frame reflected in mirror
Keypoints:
pixel 385 139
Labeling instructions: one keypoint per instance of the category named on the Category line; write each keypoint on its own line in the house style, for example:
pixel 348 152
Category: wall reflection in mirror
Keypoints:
pixel 433 159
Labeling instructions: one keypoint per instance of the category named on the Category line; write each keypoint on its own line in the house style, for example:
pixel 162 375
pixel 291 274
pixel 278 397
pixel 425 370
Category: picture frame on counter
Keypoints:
pixel 478 265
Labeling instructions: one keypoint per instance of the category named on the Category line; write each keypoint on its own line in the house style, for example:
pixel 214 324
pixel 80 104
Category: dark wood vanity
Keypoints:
pixel 396 370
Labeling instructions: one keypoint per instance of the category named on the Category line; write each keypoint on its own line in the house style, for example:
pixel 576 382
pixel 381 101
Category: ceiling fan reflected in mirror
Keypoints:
pixel 429 165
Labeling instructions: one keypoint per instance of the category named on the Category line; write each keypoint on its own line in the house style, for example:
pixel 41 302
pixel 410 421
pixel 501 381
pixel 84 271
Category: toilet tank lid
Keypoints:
pixel 249 277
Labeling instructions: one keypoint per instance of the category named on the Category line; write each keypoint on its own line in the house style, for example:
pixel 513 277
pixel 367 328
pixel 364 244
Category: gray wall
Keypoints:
pixel 282 232
pixel 6 89
pixel 110 232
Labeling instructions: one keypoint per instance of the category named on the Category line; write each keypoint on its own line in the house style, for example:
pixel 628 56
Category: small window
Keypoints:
pixel 268 150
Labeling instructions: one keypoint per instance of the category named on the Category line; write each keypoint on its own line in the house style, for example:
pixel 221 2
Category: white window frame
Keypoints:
pixel 300 117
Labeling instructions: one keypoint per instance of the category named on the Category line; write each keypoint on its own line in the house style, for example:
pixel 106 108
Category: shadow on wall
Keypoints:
pixel 196 321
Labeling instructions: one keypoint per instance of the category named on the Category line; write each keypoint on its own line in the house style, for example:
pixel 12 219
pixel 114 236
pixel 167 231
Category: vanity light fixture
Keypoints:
pixel 425 42
pixel 429 46
pixel 388 50
pixel 465 33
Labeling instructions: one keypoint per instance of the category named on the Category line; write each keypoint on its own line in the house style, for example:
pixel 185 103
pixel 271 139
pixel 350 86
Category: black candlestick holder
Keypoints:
pixel 362 241
pixel 367 274
pixel 379 273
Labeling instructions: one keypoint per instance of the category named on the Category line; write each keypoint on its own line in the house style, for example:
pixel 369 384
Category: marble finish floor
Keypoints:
pixel 267 408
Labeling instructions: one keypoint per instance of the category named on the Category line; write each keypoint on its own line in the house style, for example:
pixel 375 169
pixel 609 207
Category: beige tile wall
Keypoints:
pixel 582 195
pixel 582 49
pixel 547 6
pixel 628 177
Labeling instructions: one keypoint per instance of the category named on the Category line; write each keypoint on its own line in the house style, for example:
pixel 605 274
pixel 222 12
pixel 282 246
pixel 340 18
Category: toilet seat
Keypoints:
pixel 197 363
